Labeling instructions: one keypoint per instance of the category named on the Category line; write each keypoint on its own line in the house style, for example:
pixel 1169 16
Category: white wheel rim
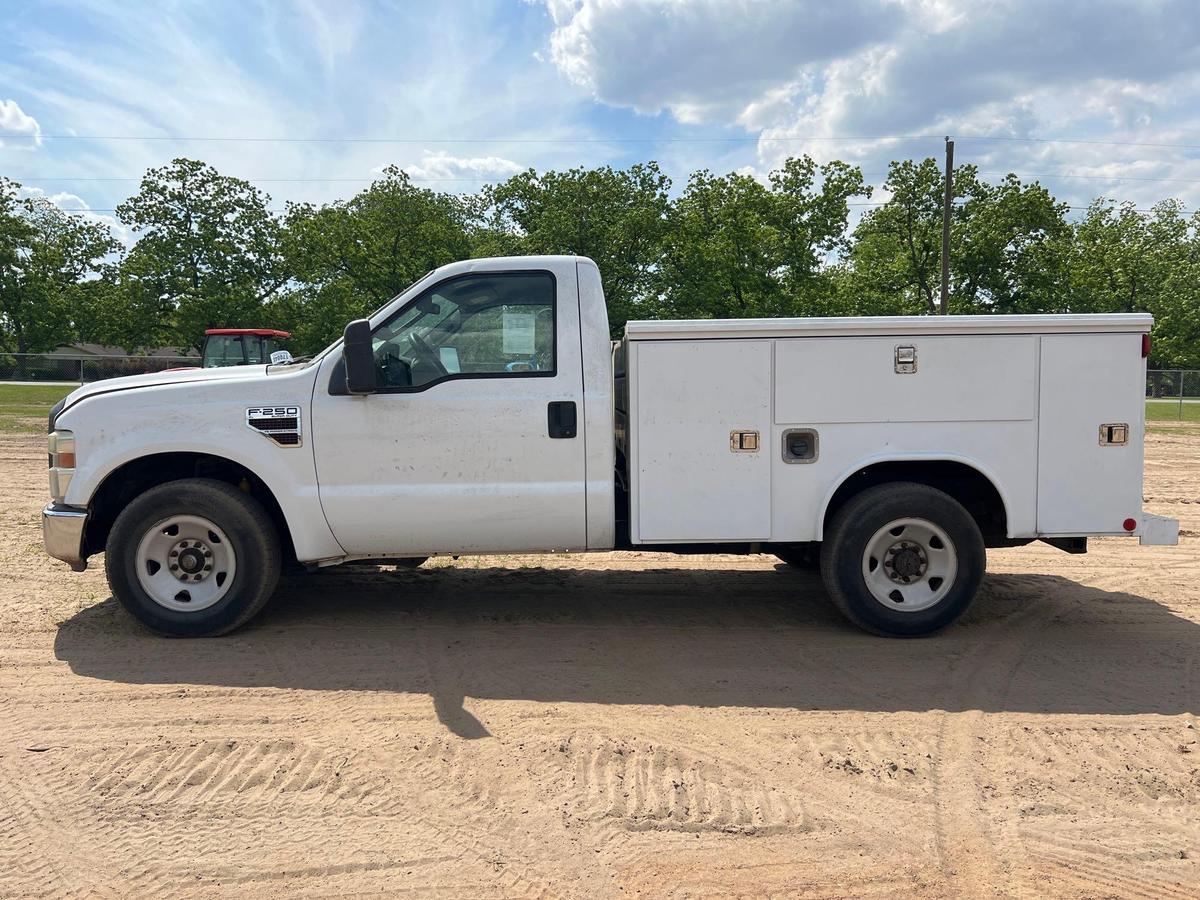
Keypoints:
pixel 185 563
pixel 909 565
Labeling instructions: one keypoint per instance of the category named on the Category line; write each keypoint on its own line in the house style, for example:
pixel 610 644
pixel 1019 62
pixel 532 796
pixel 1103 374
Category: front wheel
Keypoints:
pixel 903 559
pixel 193 558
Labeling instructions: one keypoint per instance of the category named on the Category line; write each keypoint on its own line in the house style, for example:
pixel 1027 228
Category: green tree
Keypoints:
pixel 47 256
pixel 1010 251
pixel 810 219
pixel 1124 260
pixel 351 257
pixel 896 256
pixel 615 216
pixel 738 248
pixel 721 251
pixel 1007 244
pixel 207 253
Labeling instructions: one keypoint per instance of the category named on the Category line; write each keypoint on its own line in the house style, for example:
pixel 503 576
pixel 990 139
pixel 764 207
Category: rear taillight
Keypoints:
pixel 1145 345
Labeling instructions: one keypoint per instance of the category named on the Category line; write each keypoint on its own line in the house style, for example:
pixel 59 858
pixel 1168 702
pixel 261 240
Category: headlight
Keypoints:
pixel 61 447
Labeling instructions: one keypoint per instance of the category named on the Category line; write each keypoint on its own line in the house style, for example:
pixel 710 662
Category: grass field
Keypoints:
pixel 23 407
pixel 1169 411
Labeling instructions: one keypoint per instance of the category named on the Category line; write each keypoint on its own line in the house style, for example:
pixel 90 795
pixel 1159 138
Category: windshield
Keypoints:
pixel 369 315
pixel 222 350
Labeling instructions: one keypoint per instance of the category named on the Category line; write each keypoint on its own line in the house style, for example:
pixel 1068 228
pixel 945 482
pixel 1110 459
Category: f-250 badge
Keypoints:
pixel 279 423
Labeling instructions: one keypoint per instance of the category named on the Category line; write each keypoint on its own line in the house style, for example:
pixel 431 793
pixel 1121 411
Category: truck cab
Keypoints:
pixel 485 410
pixel 241 346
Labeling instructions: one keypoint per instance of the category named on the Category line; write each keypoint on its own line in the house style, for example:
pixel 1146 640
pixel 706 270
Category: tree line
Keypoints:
pixel 208 251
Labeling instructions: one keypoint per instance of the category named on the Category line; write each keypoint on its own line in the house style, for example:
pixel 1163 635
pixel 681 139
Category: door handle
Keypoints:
pixel 560 416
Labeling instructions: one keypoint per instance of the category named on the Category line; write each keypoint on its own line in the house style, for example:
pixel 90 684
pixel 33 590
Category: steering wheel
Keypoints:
pixel 427 352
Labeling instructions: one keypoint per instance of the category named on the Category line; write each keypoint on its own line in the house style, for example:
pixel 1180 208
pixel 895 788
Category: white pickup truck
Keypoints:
pixel 485 410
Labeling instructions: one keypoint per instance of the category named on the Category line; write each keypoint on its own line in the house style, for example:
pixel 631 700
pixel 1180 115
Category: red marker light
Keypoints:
pixel 1129 524
pixel 1145 345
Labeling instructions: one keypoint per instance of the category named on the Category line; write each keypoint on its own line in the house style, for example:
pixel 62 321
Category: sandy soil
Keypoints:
pixel 626 724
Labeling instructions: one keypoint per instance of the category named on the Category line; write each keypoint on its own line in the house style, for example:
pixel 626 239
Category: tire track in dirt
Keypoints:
pixel 151 798
pixel 257 772
pixel 1097 877
pixel 1137 784
pixel 971 853
pixel 640 785
pixel 40 842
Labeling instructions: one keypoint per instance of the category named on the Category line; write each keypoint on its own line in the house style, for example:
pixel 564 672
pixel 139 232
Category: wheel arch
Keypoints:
pixel 135 476
pixel 967 480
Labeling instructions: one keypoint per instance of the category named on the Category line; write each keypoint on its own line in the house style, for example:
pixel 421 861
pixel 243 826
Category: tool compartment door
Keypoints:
pixel 689 482
pixel 1087 485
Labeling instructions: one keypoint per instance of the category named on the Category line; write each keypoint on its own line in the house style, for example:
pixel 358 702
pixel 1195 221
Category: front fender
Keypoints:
pixel 115 429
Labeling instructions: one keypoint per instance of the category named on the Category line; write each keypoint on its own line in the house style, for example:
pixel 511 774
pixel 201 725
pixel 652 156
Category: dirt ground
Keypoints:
pixel 614 725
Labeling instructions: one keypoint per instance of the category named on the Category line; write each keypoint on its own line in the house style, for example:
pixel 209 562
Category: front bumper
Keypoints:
pixel 62 533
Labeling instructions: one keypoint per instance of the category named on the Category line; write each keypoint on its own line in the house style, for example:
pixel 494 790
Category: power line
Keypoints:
pixel 1092 176
pixel 983 138
pixel 124 178
pixel 484 178
pixel 276 209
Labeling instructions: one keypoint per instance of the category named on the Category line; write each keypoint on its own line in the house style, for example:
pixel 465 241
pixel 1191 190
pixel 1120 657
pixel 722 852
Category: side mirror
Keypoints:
pixel 359 357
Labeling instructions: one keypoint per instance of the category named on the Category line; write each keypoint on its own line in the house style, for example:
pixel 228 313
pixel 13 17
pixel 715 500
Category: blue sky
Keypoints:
pixel 483 88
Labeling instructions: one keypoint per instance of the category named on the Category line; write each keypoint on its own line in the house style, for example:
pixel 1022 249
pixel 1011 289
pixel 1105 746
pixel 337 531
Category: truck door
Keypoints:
pixel 470 443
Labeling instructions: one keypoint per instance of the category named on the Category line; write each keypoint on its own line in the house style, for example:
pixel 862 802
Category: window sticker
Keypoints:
pixel 519 329
pixel 449 357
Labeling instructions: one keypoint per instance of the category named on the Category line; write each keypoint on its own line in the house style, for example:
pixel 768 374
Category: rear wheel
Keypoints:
pixel 902 559
pixel 193 558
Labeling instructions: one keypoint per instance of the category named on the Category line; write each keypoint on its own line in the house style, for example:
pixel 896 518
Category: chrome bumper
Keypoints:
pixel 62 533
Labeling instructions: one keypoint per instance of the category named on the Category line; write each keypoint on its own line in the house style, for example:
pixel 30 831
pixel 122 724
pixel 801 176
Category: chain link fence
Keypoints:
pixel 42 368
pixel 1173 394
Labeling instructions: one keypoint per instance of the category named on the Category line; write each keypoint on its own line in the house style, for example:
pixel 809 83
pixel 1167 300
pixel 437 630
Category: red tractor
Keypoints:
pixel 240 346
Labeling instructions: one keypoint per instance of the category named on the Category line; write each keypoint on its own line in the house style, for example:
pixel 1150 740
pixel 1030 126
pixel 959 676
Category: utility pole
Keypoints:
pixel 945 300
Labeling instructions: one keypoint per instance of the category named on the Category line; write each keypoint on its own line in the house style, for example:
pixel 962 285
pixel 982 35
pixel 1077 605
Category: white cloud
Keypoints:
pixel 705 59
pixel 75 204
pixel 806 75
pixel 438 165
pixel 426 75
pixel 14 120
pixel 334 28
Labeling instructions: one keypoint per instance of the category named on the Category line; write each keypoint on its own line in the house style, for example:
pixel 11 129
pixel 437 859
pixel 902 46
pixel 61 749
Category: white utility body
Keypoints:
pixel 485 410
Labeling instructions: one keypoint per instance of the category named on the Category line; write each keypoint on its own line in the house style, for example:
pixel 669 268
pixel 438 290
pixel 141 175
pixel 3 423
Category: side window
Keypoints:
pixel 485 325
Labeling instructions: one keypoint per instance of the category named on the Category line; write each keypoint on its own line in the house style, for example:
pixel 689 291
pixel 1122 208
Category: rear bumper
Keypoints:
pixel 1158 530
pixel 62 533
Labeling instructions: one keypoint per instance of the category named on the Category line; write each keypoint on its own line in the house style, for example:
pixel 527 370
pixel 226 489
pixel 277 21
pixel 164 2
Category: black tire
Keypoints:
pixel 806 557
pixel 854 525
pixel 249 529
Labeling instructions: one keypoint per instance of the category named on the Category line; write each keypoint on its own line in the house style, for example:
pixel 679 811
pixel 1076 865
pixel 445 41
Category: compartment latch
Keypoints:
pixel 1114 435
pixel 906 360
pixel 743 441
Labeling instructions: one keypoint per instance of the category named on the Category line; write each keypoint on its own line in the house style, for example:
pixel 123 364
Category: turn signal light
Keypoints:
pixel 1129 524
pixel 66 460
